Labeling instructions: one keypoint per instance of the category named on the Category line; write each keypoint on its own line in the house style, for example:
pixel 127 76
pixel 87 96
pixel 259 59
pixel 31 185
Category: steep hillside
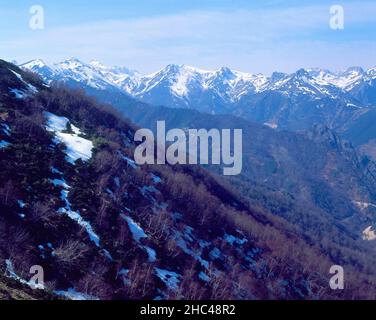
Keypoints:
pixel 316 170
pixel 362 132
pixel 11 289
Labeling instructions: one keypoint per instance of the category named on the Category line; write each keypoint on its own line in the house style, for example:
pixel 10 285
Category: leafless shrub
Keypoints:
pixel 70 254
pixel 41 213
pixel 95 286
pixel 141 281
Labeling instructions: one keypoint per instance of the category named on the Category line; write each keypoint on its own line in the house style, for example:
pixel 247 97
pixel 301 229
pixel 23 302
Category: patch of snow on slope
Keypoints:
pixel 56 123
pixel 21 204
pixel 369 234
pixel 77 147
pixel 29 86
pixel 230 239
pixel 11 273
pixel 137 232
pixel 74 215
pixel 271 125
pixel 183 245
pixel 123 273
pixel 148 189
pixel 204 277
pixel 170 279
pixel 215 253
pixel 151 254
pixel 72 294
pixel 19 94
pixel 60 183
pixel 364 205
pixel 351 105
pixel 6 129
pixel 4 144
pixel 156 179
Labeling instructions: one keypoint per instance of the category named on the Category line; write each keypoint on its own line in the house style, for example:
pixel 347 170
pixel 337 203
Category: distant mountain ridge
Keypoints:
pixel 288 101
pixel 181 76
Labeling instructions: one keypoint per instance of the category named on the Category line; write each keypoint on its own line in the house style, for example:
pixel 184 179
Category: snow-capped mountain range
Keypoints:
pixel 182 81
pixel 223 90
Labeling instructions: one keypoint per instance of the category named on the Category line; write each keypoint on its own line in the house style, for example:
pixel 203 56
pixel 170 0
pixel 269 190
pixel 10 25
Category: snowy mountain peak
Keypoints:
pixel 276 76
pixel 174 68
pixel 180 69
pixel 354 70
pixel 372 71
pixel 98 64
pixel 225 71
pixel 36 63
pixel 71 63
pixel 302 73
pixel 115 69
pixel 74 60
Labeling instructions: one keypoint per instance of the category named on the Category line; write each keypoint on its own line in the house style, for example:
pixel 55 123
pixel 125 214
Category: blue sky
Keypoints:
pixel 247 35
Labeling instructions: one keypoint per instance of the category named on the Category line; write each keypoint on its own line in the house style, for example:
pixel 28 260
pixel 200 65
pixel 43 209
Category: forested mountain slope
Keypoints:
pixel 73 201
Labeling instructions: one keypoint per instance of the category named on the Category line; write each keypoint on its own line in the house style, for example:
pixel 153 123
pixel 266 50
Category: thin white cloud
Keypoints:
pixel 242 39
